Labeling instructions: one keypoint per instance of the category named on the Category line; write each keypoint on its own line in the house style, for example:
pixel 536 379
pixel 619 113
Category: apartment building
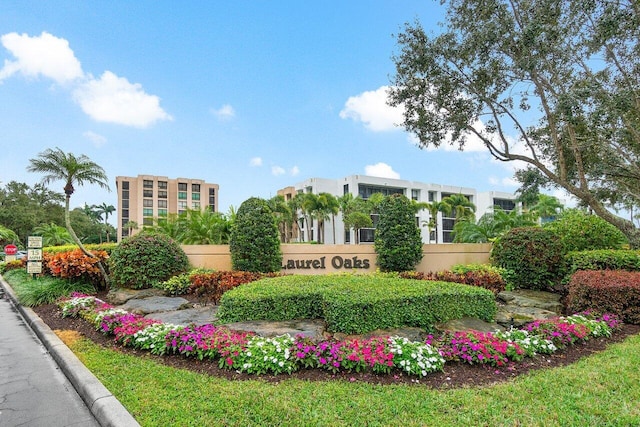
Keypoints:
pixel 144 198
pixel 364 186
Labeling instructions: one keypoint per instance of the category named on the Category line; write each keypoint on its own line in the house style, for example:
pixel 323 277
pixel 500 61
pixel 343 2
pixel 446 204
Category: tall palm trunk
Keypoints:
pixel 67 221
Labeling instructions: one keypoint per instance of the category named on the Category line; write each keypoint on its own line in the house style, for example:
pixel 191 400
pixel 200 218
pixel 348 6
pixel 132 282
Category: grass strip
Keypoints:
pixel 602 389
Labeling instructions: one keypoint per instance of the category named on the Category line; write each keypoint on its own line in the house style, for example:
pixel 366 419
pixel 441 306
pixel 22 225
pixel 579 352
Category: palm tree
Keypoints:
pixel 333 207
pixel 460 205
pixel 105 210
pixel 53 235
pixel 282 215
pixel 7 236
pixel 547 207
pixel 204 228
pixel 60 166
pixel 433 208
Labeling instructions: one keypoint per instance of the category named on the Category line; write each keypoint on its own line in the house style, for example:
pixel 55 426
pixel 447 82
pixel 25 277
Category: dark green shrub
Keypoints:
pixel 535 255
pixel 603 259
pixel 397 239
pixel 579 231
pixel 145 259
pixel 255 241
pixel 356 304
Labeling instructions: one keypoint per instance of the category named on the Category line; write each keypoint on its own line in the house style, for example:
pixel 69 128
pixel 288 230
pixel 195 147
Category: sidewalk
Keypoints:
pixel 42 383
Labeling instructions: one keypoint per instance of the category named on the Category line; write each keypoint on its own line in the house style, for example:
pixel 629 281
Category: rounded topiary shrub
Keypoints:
pixel 143 260
pixel 255 241
pixel 534 254
pixel 580 231
pixel 397 239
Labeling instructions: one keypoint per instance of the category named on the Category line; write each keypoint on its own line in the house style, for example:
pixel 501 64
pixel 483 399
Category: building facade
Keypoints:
pixel 146 198
pixel 364 186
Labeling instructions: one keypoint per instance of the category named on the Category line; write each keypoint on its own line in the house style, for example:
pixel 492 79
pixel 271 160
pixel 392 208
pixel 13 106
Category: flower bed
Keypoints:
pixel 246 352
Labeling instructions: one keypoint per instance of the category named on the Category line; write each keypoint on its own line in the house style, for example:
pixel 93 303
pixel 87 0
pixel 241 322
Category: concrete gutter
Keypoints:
pixel 107 410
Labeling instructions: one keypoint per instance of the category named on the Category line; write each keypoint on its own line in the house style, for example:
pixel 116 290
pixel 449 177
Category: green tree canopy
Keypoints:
pixel 550 84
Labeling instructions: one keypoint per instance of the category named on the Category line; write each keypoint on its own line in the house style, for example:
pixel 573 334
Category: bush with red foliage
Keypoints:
pixel 485 279
pixel 211 286
pixel 610 291
pixel 75 266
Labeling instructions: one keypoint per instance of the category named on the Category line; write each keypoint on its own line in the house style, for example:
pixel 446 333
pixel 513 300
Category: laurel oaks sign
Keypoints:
pixel 337 262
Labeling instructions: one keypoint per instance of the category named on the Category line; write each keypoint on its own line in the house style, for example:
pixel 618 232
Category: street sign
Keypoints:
pixel 34 254
pixel 10 249
pixel 34 267
pixel 34 241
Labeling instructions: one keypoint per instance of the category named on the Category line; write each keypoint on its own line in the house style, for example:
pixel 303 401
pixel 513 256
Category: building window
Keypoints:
pixel 505 204
pixel 432 196
pixel 195 205
pixel 212 191
pixel 195 196
pixel 147 193
pixel 147 221
pixel 125 204
pixel 365 191
pixel 125 213
pixel 182 195
pixel 162 203
pixel 162 185
pixel 182 186
pixel 367 235
pixel 415 194
pixel 147 203
pixel 195 188
pixel 125 185
pixel 162 194
pixel 347 236
pixel 212 203
pixel 162 212
pixel 147 211
pixel 182 205
pixel 147 183
pixel 345 189
pixel 125 194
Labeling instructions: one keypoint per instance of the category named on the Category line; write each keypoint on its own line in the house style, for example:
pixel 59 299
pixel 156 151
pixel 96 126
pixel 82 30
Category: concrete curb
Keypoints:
pixel 107 410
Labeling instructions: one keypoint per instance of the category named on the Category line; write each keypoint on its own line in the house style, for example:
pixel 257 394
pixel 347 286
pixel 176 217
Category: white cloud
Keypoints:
pixel 295 171
pixel 97 140
pixel 277 170
pixel 113 99
pixel 381 170
pixel 372 110
pixel 256 161
pixel 44 55
pixel 505 181
pixel 226 112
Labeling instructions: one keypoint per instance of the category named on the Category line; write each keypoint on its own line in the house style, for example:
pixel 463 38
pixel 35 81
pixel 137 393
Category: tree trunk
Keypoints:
pixel 67 221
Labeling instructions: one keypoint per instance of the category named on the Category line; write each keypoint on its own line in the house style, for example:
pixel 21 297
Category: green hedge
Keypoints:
pixel 355 304
pixel 603 259
pixel 107 247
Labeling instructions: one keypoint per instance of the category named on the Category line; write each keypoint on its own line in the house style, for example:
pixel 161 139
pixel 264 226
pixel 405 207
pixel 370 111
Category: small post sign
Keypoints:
pixel 34 255
pixel 10 252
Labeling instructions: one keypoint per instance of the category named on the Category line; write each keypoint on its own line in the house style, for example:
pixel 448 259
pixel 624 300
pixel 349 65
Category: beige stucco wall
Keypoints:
pixel 324 259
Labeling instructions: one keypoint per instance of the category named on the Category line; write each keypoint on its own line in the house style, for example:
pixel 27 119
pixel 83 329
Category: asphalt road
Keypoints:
pixel 33 390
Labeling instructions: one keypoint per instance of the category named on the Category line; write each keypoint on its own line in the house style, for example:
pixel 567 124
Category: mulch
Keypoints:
pixel 454 375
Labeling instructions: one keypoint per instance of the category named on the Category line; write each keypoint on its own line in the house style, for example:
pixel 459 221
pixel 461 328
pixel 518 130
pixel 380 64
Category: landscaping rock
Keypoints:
pixel 313 329
pixel 528 298
pixel 469 323
pixel 119 296
pixel 197 316
pixel 155 304
pixel 517 316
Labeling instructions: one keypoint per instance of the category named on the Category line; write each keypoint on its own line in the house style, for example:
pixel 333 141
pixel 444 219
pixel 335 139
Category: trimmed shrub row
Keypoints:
pixel 487 279
pixel 603 259
pixel 616 292
pixel 354 304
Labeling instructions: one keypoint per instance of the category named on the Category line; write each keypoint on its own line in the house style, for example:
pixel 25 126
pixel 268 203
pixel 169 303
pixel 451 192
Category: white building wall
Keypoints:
pixel 418 191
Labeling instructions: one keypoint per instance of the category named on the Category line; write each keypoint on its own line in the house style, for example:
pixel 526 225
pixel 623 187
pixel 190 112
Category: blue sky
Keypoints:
pixel 251 95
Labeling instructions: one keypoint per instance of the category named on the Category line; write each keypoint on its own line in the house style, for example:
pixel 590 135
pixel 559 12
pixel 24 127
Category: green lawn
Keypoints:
pixel 602 390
